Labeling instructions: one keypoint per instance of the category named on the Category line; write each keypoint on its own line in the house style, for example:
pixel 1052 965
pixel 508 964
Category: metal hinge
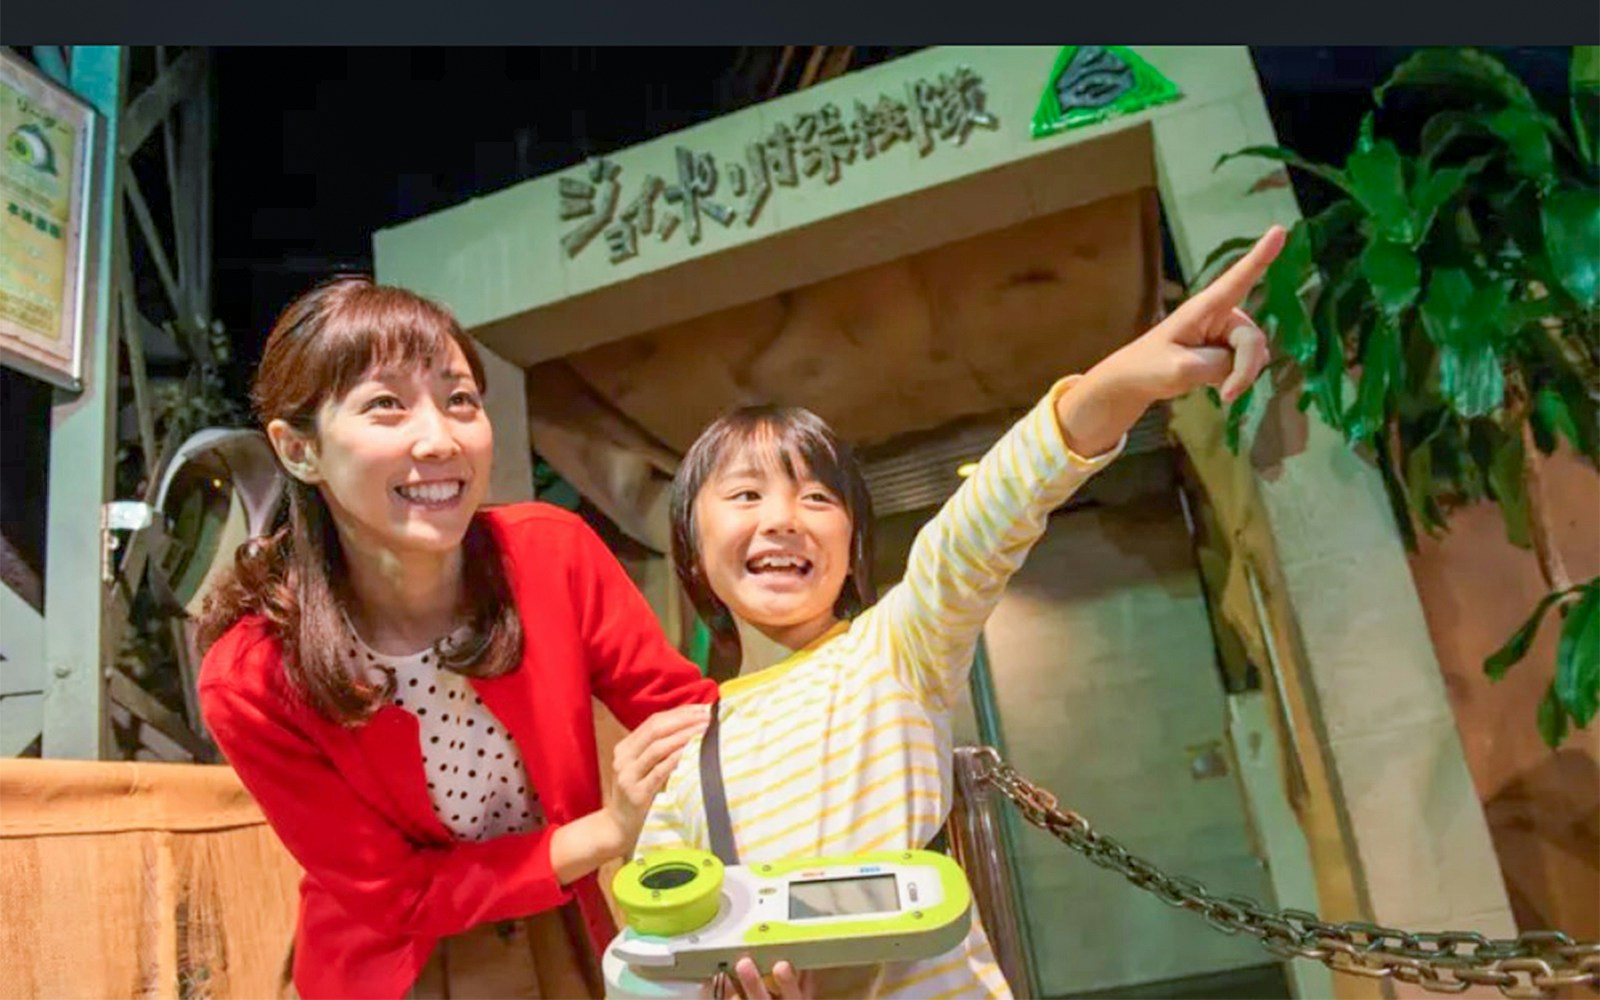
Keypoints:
pixel 119 515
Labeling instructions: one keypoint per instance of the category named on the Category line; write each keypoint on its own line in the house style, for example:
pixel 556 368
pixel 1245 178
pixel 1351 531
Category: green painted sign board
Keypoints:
pixel 1091 83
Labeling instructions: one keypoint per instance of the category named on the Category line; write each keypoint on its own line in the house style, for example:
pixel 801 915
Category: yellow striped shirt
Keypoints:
pixel 845 747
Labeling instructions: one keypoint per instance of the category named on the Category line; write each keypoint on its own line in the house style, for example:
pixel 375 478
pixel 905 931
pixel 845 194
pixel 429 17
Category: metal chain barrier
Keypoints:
pixel 1532 964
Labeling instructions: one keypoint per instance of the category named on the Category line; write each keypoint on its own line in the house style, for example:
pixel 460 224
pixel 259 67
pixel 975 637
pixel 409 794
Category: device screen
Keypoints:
pixel 842 897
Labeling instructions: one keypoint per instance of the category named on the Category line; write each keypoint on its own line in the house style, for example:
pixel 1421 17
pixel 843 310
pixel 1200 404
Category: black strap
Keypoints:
pixel 718 823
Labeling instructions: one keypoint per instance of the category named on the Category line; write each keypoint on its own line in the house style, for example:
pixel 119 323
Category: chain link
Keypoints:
pixel 1533 964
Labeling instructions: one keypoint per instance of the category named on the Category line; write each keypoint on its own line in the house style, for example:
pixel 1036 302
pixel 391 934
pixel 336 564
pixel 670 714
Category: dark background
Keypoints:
pixel 317 148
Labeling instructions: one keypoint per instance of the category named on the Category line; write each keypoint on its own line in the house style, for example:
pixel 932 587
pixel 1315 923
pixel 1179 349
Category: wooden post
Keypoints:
pixel 82 452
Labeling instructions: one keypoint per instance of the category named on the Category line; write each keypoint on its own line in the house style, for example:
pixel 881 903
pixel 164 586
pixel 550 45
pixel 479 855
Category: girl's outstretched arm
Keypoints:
pixel 959 564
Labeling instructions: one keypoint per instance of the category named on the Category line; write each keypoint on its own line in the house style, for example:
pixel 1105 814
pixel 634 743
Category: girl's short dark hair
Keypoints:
pixel 796 438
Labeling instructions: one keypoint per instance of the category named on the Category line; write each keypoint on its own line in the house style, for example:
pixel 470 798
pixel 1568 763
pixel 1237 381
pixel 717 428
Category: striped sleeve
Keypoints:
pixel 669 824
pixel 960 561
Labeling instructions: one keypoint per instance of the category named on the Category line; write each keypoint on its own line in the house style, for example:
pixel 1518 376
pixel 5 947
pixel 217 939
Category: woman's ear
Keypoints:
pixel 296 451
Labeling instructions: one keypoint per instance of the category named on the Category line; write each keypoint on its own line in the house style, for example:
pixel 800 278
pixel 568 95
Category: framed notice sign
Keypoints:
pixel 44 204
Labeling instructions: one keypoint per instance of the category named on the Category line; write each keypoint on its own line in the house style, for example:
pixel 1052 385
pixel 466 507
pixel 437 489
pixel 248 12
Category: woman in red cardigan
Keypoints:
pixel 403 680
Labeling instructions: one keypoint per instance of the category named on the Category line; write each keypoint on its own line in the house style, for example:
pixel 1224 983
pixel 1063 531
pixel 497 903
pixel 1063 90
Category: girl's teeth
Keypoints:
pixel 778 563
pixel 431 492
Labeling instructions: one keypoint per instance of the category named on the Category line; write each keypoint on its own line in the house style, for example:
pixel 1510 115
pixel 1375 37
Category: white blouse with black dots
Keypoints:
pixel 475 775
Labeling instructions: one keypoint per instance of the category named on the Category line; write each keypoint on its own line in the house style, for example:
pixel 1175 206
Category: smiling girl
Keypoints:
pixel 834 738
pixel 403 679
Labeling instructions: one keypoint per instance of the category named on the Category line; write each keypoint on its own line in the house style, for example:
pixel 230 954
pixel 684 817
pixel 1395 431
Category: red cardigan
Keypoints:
pixel 384 879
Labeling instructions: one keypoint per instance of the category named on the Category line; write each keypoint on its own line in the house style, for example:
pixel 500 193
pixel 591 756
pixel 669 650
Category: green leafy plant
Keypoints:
pixel 1453 285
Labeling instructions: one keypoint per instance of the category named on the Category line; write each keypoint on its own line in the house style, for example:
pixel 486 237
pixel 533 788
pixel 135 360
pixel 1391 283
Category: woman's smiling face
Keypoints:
pixel 403 458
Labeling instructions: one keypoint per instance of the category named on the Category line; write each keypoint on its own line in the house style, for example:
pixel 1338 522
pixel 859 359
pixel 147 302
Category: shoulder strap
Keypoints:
pixel 719 824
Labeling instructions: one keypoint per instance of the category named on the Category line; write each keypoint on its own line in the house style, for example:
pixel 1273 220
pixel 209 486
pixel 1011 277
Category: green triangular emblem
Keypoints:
pixel 1091 83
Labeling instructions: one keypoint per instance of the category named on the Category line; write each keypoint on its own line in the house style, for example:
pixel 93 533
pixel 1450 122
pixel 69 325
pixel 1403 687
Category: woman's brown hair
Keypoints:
pixel 325 342
pixel 794 438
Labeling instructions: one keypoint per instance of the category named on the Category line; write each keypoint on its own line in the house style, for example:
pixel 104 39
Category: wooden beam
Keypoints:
pixel 813 64
pixel 837 63
pixel 127 693
pixel 133 339
pixel 22 673
pixel 156 101
pixel 196 141
pixel 152 238
pixel 783 67
pixel 176 195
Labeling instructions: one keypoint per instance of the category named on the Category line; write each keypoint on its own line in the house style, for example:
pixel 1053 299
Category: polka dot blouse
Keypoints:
pixel 475 775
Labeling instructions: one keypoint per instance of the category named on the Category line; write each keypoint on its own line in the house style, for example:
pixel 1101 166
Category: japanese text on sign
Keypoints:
pixel 819 143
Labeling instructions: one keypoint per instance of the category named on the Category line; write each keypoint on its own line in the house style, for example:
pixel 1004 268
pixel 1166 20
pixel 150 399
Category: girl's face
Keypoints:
pixel 402 459
pixel 775 549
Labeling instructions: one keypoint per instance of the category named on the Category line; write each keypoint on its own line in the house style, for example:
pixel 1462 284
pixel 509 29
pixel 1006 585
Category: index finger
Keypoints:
pixel 1235 283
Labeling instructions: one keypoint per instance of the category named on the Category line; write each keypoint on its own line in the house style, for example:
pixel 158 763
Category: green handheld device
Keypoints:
pixel 689 916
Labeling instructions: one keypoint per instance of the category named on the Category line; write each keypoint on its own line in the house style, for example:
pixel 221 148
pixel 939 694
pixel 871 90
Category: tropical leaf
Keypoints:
pixel 1444 311
pixel 1509 490
pixel 1584 78
pixel 1460 70
pixel 1324 381
pixel 1516 221
pixel 1338 221
pixel 1284 310
pixel 1377 180
pixel 1395 274
pixel 1461 258
pixel 1578 656
pixel 1341 309
pixel 1432 191
pixel 1441 132
pixel 1470 376
pixel 1552 718
pixel 1516 647
pixel 1220 259
pixel 1293 159
pixel 1550 419
pixel 1489 305
pixel 1380 372
pixel 1571 222
pixel 1568 379
pixel 1527 135
pixel 1460 318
